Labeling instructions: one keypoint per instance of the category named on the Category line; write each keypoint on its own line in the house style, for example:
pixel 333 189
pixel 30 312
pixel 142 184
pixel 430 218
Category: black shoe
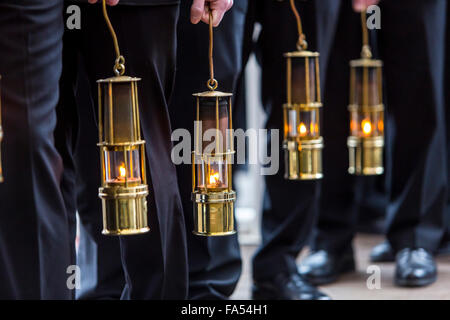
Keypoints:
pixel 284 287
pixel 322 267
pixel 382 252
pixel 415 268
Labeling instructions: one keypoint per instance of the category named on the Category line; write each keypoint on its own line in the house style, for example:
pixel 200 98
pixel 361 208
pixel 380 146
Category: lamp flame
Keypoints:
pixel 366 127
pixel 214 178
pixel 302 129
pixel 122 171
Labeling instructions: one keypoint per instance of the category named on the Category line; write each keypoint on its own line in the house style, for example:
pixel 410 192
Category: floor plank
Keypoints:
pixel 354 287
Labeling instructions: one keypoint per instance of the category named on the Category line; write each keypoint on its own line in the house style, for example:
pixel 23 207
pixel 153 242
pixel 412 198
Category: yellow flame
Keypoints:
pixel 302 129
pixel 122 171
pixel 366 127
pixel 214 178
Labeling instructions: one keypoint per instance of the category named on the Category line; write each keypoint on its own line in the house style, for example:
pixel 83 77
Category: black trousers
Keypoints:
pixel 154 264
pixel 290 206
pixel 97 255
pixel 414 95
pixel 446 238
pixel 214 262
pixel 345 198
pixel 34 244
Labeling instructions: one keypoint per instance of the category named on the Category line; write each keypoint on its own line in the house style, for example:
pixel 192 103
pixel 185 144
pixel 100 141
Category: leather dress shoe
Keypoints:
pixel 382 252
pixel 322 267
pixel 286 287
pixel 415 268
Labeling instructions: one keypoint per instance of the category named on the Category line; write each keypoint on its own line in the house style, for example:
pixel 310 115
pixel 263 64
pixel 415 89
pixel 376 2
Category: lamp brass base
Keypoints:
pixel 303 161
pixel 365 155
pixel 124 210
pixel 214 213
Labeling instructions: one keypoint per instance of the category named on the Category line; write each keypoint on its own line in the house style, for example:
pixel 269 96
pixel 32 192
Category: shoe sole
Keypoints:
pixel 414 283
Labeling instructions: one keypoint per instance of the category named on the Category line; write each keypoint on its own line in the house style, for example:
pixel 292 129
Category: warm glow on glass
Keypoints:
pixel 302 129
pixel 366 127
pixel 212 174
pixel 120 165
pixel 214 179
pixel 122 171
pixel 381 125
pixel 353 126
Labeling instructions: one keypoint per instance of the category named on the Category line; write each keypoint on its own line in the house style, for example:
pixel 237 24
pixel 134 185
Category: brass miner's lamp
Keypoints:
pixel 212 192
pixel 124 187
pixel 302 143
pixel 366 141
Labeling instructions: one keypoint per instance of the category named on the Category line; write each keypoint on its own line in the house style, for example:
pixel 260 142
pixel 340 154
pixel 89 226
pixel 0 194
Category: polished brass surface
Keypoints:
pixel 212 94
pixel 124 210
pixel 365 155
pixel 213 205
pixel 119 79
pixel 214 213
pixel 366 150
pixel 124 204
pixel 303 106
pixel 301 54
pixel 303 151
pixel 124 197
pixel 303 161
pixel 214 209
pixel 303 155
pixel 366 63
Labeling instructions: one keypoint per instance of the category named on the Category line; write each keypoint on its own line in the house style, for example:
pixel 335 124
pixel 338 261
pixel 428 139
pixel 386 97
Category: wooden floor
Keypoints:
pixel 354 287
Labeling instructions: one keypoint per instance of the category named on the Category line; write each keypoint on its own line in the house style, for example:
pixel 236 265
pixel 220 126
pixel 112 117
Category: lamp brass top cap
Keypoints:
pixel 119 79
pixel 298 54
pixel 212 94
pixel 366 63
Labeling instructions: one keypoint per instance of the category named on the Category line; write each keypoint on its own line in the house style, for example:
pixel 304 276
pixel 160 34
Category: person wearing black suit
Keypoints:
pixel 214 262
pixel 411 43
pixel 290 206
pixel 152 265
pixel 35 246
pixel 383 252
